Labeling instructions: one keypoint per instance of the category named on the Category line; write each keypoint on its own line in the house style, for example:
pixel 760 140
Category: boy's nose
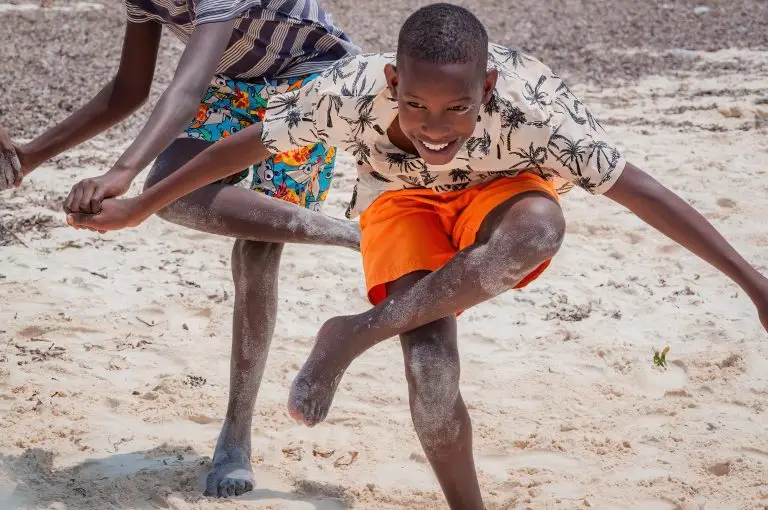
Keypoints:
pixel 434 128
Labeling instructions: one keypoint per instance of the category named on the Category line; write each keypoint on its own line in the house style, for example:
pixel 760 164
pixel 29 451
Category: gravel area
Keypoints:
pixel 52 59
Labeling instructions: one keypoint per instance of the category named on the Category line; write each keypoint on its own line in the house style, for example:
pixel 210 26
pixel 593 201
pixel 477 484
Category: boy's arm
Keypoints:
pixel 115 101
pixel 673 217
pixel 222 159
pixel 174 110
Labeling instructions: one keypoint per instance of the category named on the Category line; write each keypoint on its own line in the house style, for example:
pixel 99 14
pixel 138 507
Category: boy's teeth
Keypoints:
pixel 433 147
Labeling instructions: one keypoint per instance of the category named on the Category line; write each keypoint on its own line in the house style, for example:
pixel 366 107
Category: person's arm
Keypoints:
pixel 173 112
pixel 580 151
pixel 120 97
pixel 278 132
pixel 672 216
pixel 220 160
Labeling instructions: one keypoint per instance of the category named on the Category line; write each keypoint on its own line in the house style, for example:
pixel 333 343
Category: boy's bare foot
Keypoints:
pixel 314 387
pixel 231 474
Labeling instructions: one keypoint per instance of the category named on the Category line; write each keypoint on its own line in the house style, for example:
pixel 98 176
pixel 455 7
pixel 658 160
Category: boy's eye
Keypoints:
pixel 459 109
pixel 413 104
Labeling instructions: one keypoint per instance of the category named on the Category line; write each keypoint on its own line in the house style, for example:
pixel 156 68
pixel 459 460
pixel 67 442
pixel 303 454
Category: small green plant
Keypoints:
pixel 660 358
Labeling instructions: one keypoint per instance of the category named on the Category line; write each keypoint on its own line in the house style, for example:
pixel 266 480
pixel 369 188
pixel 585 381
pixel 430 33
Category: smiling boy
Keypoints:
pixel 463 150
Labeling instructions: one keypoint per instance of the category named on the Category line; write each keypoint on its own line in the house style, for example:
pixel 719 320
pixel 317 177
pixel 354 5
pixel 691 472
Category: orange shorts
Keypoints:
pixel 420 230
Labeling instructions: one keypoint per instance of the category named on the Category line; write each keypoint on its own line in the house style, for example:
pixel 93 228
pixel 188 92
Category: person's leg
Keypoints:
pixel 517 237
pixel 242 213
pixel 254 218
pixel 439 415
pixel 254 270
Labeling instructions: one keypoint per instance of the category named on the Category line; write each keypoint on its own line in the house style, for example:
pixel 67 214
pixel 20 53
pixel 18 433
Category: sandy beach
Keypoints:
pixel 114 349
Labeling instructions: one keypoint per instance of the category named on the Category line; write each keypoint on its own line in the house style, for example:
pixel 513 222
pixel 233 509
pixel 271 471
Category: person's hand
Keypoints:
pixel 115 214
pixel 11 166
pixel 87 195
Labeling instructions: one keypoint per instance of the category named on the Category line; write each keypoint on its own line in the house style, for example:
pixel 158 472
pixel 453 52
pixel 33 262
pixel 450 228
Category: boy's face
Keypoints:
pixel 438 104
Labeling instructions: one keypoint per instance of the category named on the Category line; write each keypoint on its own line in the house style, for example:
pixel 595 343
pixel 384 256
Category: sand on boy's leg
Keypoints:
pixel 514 239
pixel 255 268
pixel 261 225
pixel 440 417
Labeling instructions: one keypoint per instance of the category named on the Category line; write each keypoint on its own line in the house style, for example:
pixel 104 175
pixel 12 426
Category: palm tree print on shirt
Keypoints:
pixel 482 144
pixel 570 153
pixel 532 123
pixel 536 96
pixel 405 163
pixel 359 150
pixel 460 175
pixel 533 157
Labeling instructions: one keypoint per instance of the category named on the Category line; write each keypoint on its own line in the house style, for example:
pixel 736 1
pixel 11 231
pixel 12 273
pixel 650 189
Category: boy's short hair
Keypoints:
pixel 443 34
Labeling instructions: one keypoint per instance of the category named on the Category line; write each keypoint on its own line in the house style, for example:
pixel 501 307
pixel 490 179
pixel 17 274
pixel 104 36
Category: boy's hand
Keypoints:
pixel 115 214
pixel 11 166
pixel 87 195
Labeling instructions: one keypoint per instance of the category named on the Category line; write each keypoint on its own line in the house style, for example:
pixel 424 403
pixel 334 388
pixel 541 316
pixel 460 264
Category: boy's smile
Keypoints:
pixel 438 105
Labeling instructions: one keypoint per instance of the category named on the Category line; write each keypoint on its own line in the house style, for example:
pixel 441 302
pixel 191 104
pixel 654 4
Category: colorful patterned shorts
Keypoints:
pixel 301 176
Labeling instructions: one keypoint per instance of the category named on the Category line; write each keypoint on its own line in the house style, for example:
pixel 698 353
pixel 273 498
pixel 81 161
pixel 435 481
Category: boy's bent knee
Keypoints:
pixel 530 232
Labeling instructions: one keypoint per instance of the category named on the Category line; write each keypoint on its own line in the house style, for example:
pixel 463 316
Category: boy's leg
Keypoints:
pixel 439 415
pixel 514 240
pixel 244 214
pixel 255 272
pixel 227 210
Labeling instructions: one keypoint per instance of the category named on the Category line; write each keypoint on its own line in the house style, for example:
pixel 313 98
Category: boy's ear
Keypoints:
pixel 490 84
pixel 390 73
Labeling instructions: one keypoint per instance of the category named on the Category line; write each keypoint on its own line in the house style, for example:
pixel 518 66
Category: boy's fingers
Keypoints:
pixel 84 202
pixel 67 208
pixel 83 220
pixel 96 199
pixel 11 167
pixel 8 175
pixel 71 199
pixel 18 170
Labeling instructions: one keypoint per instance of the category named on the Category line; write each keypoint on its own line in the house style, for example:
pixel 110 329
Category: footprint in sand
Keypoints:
pixel 584 370
pixel 719 469
pixel 658 383
pixel 726 203
pixel 758 455
pixel 656 504
pixel 500 465
pixel 34 331
pixel 634 237
pixel 637 474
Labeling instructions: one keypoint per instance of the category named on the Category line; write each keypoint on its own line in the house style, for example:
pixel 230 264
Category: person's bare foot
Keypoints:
pixel 231 474
pixel 315 385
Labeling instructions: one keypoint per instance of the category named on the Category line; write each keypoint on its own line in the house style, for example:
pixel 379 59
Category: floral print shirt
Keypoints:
pixel 533 123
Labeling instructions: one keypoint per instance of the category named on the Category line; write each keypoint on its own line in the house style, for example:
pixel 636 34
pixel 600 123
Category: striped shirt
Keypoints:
pixel 271 39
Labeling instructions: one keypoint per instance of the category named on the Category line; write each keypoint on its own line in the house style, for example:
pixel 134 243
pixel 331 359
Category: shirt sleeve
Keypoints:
pixel 135 13
pixel 311 114
pixel 578 150
pixel 217 11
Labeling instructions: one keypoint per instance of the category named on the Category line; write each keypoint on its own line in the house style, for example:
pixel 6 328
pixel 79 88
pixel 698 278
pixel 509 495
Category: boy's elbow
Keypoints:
pixel 185 94
pixel 183 100
pixel 128 97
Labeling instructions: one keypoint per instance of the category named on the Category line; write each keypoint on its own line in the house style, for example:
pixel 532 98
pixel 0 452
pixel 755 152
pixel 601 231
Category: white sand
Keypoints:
pixel 104 339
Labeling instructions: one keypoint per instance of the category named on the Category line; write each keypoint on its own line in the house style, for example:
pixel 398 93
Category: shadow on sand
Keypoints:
pixel 165 477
